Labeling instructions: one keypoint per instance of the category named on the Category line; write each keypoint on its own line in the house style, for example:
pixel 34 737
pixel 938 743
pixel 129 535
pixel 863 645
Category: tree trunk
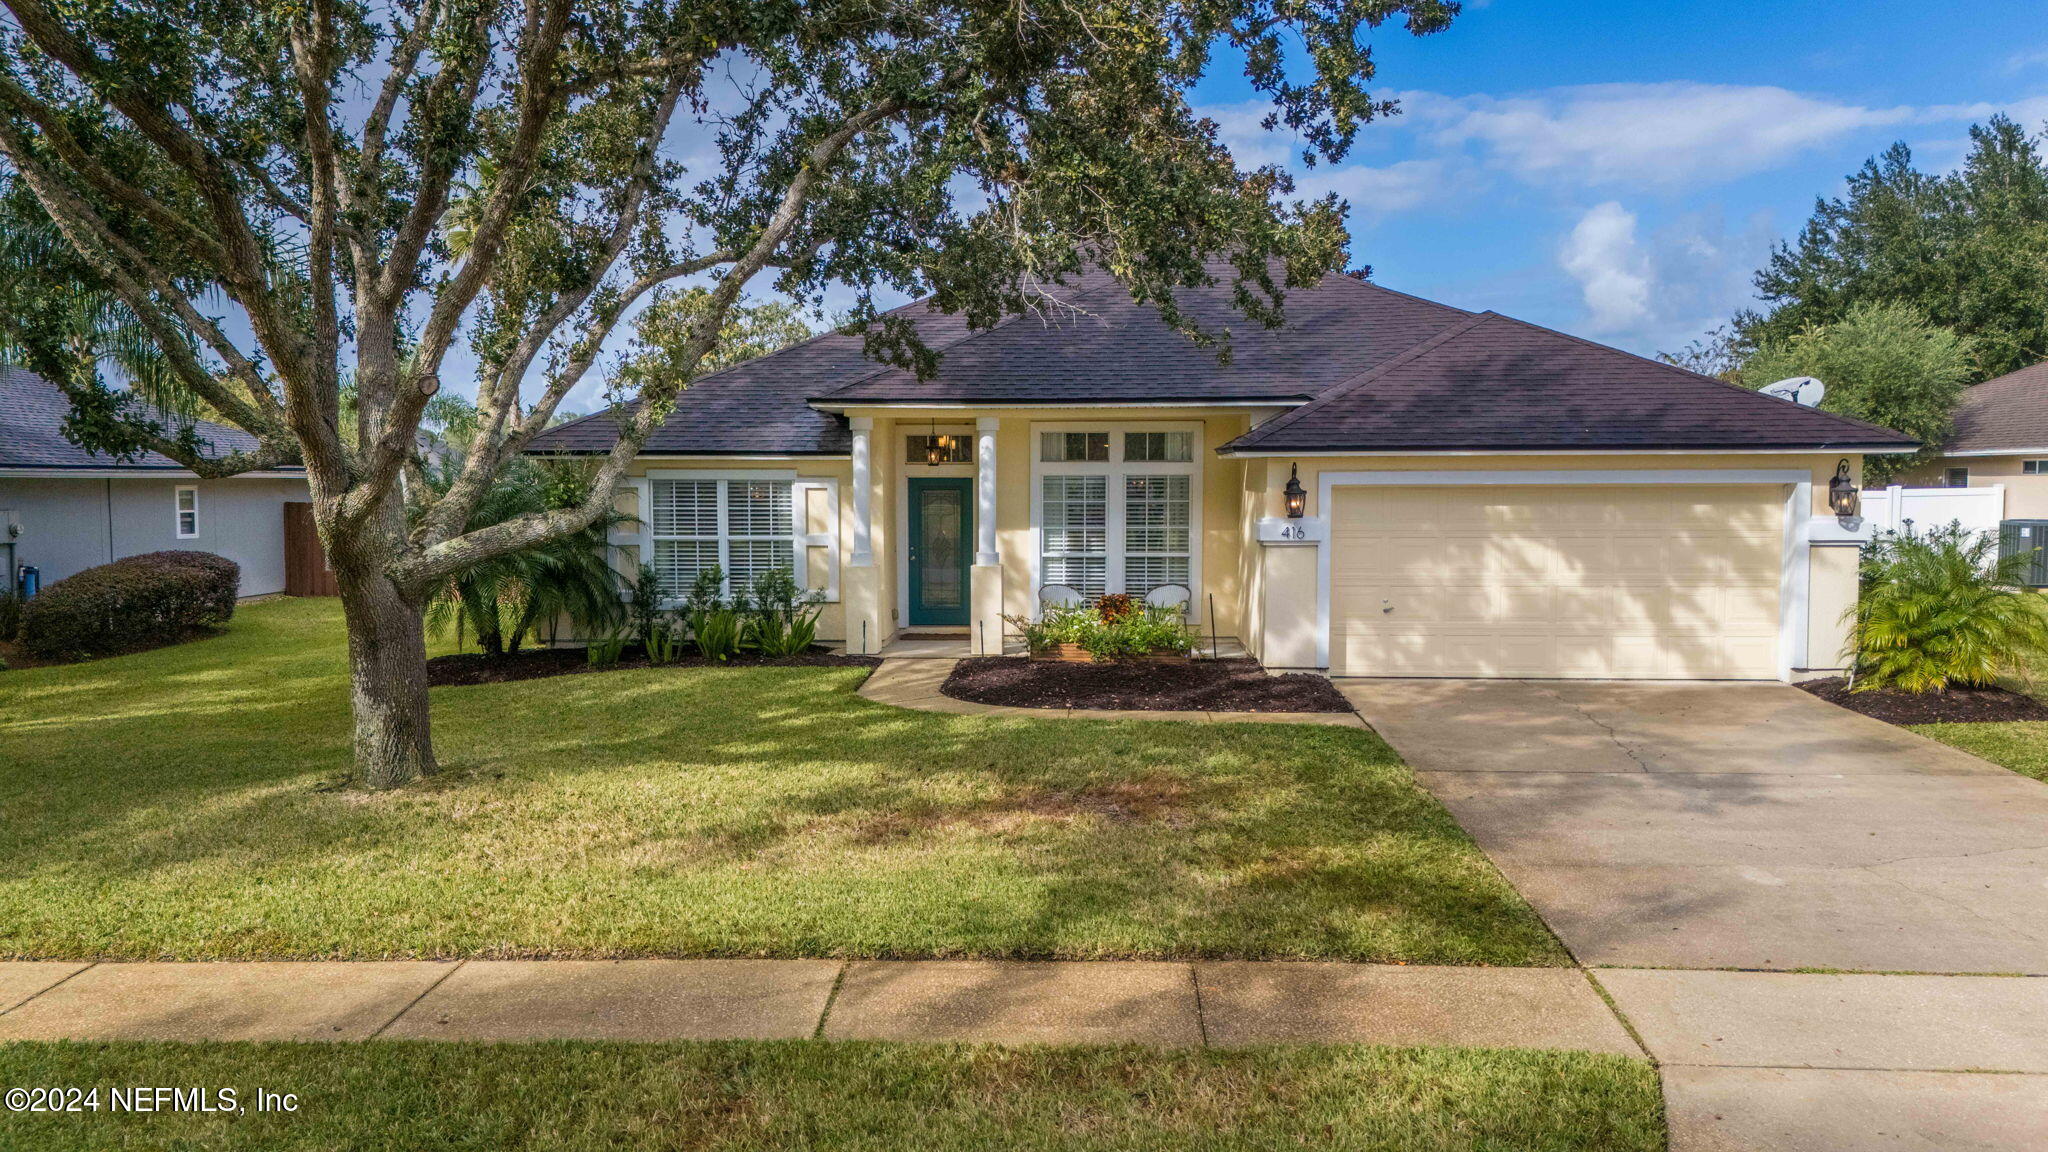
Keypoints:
pixel 387 665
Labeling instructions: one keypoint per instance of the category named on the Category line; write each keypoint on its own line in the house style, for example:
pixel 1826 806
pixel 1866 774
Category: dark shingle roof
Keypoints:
pixel 759 407
pixel 32 412
pixel 1112 348
pixel 2004 412
pixel 1372 370
pixel 1503 384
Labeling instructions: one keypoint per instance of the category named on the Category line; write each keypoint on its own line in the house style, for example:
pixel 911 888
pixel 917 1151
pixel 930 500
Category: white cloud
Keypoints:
pixel 1646 134
pixel 1660 287
pixel 1613 272
pixel 2027 60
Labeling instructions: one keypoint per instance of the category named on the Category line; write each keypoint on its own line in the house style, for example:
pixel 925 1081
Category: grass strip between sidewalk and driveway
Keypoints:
pixel 183 804
pixel 727 1097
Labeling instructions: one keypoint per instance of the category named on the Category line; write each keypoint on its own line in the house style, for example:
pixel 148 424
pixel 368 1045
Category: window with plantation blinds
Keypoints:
pixel 745 527
pixel 1116 513
pixel 1155 532
pixel 1077 533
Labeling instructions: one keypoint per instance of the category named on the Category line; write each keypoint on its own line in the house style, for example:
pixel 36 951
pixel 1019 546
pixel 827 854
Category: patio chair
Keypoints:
pixel 1060 596
pixel 1172 596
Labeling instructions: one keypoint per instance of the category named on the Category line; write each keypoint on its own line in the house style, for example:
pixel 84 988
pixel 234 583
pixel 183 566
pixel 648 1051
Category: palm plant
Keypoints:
pixel 67 327
pixel 1942 609
pixel 505 600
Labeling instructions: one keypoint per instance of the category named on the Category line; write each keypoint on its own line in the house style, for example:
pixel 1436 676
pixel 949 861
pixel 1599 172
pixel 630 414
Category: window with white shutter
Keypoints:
pixel 745 527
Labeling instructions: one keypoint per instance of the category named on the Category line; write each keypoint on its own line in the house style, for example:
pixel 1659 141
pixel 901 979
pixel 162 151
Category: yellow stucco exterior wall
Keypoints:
pixel 1264 595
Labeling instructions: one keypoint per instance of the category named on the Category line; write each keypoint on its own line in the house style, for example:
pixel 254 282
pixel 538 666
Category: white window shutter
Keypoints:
pixel 629 541
pixel 803 540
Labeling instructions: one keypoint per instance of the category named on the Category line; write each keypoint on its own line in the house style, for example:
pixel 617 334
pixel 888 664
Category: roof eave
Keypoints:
pixel 1569 450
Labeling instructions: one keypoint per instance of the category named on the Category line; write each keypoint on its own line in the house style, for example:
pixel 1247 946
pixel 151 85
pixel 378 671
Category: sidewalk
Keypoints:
pixel 1769 1061
pixel 1086 1002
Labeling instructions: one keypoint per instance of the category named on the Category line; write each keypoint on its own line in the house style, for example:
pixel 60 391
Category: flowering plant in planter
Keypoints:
pixel 1118 629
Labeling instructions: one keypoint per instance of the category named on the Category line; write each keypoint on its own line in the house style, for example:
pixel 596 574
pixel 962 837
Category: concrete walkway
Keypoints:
pixel 914 683
pixel 1145 1002
pixel 1751 1060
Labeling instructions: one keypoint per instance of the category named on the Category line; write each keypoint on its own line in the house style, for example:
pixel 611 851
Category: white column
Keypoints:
pixel 863 498
pixel 985 491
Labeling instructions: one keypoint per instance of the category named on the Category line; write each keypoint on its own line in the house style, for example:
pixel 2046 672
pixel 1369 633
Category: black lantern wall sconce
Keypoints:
pixel 1843 496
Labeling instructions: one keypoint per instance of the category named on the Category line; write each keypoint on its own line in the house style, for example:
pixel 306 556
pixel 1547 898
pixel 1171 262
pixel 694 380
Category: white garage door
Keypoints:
pixel 1595 581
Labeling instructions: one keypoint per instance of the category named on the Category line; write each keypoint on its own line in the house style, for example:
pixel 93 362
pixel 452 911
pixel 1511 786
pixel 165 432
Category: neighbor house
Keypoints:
pixel 2001 437
pixel 63 509
pixel 1478 496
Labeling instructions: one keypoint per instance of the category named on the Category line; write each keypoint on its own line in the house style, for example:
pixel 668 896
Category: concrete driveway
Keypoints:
pixel 1731 825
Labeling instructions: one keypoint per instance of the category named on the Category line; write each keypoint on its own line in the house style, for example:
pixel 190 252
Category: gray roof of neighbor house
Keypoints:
pixel 1366 369
pixel 2008 412
pixel 32 412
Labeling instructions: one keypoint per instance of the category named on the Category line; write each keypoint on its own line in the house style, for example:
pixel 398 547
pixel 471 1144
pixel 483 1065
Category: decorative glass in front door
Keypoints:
pixel 940 523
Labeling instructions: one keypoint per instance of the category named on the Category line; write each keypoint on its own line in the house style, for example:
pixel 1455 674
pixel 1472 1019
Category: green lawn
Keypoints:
pixel 180 804
pixel 2020 745
pixel 875 1097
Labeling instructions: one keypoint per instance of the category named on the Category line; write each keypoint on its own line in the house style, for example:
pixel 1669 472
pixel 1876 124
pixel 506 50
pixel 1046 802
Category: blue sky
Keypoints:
pixel 1619 168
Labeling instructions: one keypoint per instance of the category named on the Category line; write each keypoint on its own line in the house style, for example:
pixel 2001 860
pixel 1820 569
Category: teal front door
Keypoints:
pixel 941 525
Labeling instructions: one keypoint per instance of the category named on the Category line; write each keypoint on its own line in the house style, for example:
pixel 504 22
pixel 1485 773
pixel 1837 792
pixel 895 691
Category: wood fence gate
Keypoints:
pixel 305 562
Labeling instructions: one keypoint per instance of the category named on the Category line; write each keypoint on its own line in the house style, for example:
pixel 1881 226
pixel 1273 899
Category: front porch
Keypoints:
pixel 958 522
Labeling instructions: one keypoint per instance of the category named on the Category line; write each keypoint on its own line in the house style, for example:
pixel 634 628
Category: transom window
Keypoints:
pixel 745 527
pixel 1176 447
pixel 1065 446
pixel 954 448
pixel 1116 512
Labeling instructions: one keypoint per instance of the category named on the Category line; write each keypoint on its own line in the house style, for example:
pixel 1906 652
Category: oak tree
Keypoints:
pixel 291 198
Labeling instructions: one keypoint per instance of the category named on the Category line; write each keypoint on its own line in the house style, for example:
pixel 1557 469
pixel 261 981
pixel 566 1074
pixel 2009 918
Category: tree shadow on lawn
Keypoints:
pixel 757 812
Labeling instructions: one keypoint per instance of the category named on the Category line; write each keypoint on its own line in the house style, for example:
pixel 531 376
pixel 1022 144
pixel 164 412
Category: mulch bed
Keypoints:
pixel 1197 686
pixel 538 663
pixel 1955 706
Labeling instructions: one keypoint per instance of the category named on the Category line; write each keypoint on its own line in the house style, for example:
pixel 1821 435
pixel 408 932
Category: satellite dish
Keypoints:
pixel 1804 391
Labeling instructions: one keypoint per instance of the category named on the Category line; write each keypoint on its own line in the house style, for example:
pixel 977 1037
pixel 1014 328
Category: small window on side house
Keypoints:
pixel 188 511
pixel 2034 467
pixel 1957 478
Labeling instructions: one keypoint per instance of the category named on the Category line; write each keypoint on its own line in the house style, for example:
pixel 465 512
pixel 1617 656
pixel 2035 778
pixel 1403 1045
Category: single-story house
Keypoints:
pixel 2001 437
pixel 63 509
pixel 1479 496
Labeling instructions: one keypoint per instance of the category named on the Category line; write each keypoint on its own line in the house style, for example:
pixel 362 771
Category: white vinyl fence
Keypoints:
pixel 1896 508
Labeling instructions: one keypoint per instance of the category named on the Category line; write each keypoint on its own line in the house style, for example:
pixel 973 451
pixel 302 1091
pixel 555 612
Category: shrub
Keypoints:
pixel 782 619
pixel 10 613
pixel 1135 631
pixel 664 644
pixel 718 632
pixel 1940 609
pixel 604 651
pixel 134 603
pixel 1114 606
